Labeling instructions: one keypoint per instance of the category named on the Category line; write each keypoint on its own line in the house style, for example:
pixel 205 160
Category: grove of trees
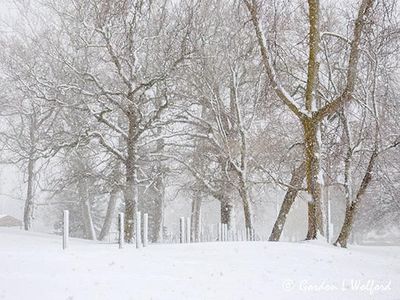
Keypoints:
pixel 107 104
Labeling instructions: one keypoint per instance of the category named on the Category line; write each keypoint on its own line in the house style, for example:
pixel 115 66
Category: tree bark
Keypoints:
pixel 248 214
pixel 352 208
pixel 131 201
pixel 131 188
pixel 196 217
pixel 296 181
pixel 89 232
pixel 315 223
pixel 105 230
pixel 158 232
pixel 29 205
pixel 227 211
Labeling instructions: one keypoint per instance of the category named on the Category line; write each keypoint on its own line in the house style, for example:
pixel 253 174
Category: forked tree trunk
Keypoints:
pixel 352 208
pixel 112 203
pixel 312 118
pixel 296 181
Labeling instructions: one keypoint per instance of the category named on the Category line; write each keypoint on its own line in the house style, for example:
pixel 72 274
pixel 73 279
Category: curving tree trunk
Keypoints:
pixel 84 195
pixel 112 203
pixel 352 208
pixel 296 181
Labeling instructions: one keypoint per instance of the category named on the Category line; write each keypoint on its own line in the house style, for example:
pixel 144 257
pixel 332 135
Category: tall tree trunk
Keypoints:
pixel 242 173
pixel 227 211
pixel 29 205
pixel 158 232
pixel 87 219
pixel 196 217
pixel 105 230
pixel 131 202
pixel 244 194
pixel 352 208
pixel 315 223
pixel 296 181
pixel 131 188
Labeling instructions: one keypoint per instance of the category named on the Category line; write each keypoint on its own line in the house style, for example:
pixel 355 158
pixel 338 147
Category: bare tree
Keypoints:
pixel 311 116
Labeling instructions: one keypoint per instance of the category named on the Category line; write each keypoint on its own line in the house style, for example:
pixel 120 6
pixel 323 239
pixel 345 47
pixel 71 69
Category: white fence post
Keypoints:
pixel 138 230
pixel 65 229
pixel 145 229
pixel 225 232
pixel 219 232
pixel 328 221
pixel 188 230
pixel 121 230
pixel 182 230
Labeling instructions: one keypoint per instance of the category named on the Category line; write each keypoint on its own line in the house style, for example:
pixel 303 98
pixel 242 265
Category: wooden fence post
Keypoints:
pixel 65 229
pixel 182 230
pixel 138 230
pixel 145 230
pixel 225 232
pixel 121 230
pixel 188 230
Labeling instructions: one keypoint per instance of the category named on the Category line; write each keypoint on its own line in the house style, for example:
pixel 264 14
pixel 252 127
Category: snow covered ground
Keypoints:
pixel 33 266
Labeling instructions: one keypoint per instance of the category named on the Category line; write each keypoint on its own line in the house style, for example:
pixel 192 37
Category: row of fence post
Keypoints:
pixel 141 232
pixel 141 235
pixel 224 233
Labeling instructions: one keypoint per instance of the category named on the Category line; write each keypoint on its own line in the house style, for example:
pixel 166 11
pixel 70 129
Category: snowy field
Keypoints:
pixel 33 266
